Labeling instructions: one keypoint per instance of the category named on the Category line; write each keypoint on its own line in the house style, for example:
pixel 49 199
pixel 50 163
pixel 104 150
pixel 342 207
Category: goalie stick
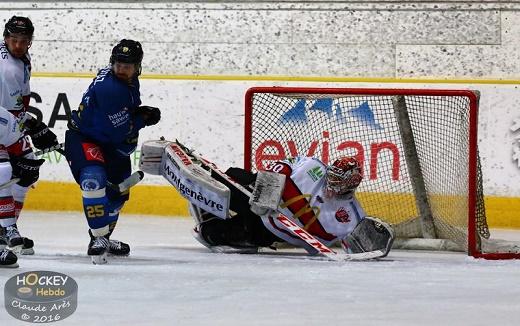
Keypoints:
pixel 287 222
pixel 323 249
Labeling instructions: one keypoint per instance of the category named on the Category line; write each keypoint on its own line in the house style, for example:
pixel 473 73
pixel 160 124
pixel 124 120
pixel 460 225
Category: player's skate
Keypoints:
pixel 116 247
pixel 28 246
pixel 8 259
pixel 13 238
pixel 199 233
pixel 3 239
pixel 98 250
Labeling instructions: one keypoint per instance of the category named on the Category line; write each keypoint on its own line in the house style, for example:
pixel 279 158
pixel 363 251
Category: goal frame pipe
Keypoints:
pixel 473 96
pixel 414 167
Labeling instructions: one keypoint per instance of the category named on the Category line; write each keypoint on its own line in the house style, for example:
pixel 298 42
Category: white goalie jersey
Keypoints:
pixel 305 200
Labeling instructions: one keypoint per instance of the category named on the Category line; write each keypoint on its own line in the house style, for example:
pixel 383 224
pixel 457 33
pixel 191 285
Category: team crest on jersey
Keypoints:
pixel 342 215
pixel 93 152
pixel 315 173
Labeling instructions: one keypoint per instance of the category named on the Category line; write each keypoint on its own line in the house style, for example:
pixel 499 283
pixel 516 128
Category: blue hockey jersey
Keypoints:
pixel 106 113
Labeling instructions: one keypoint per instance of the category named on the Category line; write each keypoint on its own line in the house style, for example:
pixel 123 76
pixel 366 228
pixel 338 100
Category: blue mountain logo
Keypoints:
pixel 363 113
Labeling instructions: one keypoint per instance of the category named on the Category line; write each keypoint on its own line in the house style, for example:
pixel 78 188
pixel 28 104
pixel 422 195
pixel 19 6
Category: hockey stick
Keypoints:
pixel 285 221
pixel 37 153
pixel 58 147
pixel 9 183
pixel 320 247
pixel 128 183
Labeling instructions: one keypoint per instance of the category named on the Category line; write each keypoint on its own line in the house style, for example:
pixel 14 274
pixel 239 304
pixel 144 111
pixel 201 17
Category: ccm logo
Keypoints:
pixel 180 154
pixel 304 235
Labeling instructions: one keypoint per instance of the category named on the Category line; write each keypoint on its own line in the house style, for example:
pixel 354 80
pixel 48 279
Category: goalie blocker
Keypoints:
pixel 225 221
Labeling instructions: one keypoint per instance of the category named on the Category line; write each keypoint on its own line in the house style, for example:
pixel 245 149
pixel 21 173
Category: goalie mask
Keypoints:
pixel 343 176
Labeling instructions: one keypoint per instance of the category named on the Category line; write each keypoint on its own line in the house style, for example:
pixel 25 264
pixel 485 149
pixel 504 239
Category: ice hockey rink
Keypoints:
pixel 170 279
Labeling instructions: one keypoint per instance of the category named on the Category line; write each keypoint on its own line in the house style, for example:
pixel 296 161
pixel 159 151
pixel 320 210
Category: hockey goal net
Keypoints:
pixel 419 151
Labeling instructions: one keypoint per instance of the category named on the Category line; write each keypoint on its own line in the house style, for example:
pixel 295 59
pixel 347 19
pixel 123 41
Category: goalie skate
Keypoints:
pixel 200 218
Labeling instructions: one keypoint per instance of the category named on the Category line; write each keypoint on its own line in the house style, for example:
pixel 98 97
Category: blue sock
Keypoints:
pixel 96 205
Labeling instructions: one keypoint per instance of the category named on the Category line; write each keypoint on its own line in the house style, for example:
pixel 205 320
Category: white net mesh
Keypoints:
pixel 367 126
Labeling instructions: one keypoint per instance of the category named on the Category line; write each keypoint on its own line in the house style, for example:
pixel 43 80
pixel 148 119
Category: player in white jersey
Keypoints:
pixel 15 73
pixel 11 130
pixel 319 198
pixel 15 64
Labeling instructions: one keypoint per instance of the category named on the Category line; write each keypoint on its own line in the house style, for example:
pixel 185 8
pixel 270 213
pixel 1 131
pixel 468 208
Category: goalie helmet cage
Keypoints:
pixel 422 170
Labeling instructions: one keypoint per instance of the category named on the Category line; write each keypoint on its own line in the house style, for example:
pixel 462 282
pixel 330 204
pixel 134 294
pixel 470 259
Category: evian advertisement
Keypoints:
pixel 208 116
pixel 370 129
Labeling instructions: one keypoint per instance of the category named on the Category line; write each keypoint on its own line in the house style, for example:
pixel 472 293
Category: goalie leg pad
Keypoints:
pixel 243 177
pixel 370 234
pixel 151 156
pixel 239 232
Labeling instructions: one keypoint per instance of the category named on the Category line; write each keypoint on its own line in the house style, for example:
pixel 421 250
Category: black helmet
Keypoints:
pixel 19 25
pixel 127 51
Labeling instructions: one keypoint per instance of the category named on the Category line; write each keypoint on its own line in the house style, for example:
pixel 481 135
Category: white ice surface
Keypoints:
pixel 170 279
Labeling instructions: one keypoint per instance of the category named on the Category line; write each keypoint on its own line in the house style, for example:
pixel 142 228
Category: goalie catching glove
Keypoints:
pixel 369 235
pixel 27 170
pixel 42 137
pixel 151 115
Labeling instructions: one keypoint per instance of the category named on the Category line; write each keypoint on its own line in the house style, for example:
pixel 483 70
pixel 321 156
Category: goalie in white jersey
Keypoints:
pixel 319 198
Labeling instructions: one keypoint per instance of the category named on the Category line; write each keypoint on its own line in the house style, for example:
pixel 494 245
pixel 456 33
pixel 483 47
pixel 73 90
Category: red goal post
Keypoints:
pixel 418 148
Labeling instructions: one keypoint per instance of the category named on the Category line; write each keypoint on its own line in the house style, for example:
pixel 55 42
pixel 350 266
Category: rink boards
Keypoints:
pixel 207 114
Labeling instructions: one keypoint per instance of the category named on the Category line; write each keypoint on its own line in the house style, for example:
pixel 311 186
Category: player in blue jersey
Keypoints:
pixel 102 134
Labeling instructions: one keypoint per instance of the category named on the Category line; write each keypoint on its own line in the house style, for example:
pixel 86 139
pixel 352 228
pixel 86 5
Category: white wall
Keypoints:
pixel 209 116
pixel 413 39
pixel 317 38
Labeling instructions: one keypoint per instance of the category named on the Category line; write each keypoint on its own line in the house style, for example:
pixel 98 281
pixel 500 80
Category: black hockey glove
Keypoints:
pixel 26 169
pixel 150 114
pixel 42 137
